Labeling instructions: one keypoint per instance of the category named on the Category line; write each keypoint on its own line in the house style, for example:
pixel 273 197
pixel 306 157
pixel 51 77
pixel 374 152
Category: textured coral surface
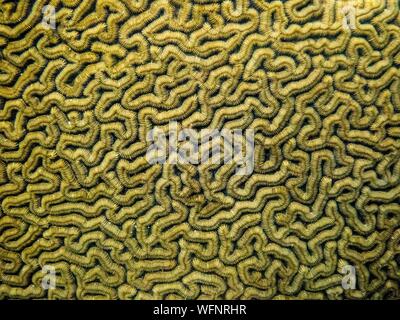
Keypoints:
pixel 320 91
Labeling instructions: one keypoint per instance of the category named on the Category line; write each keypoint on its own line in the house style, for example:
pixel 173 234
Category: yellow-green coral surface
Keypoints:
pixel 320 91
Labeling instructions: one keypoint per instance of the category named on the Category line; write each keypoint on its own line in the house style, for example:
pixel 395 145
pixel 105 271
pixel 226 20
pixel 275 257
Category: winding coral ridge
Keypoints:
pixel 77 193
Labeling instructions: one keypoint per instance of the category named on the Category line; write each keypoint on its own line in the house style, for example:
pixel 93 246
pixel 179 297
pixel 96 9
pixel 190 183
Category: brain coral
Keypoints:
pixel 82 82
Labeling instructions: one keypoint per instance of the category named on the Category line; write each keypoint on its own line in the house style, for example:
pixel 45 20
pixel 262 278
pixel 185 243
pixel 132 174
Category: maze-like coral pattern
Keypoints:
pixel 77 193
